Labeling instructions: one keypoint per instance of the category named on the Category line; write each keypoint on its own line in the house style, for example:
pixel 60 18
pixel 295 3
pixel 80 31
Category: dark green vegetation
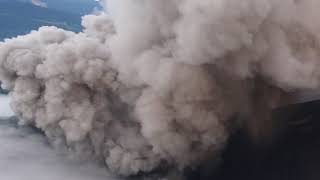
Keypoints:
pixel 19 18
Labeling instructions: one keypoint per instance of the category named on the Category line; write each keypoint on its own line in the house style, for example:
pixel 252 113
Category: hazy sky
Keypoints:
pixel 39 3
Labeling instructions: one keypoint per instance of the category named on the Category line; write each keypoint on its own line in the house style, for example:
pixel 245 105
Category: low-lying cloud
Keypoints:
pixel 39 3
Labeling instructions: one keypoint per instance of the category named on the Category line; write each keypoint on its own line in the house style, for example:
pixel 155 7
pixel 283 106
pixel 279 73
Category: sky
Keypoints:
pixel 39 3
pixel 80 7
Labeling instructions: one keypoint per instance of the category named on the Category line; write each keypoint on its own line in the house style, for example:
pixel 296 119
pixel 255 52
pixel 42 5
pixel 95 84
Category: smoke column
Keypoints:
pixel 156 84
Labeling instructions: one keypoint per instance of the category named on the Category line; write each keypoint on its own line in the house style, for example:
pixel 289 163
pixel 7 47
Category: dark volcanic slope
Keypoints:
pixel 294 156
pixel 18 18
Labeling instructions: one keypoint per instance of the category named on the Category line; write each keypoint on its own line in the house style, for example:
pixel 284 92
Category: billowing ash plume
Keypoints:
pixel 156 84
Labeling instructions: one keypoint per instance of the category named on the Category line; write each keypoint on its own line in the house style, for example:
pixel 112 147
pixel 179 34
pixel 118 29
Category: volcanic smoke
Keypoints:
pixel 155 84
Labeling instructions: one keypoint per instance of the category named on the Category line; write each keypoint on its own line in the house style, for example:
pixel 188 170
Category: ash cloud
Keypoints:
pixel 156 84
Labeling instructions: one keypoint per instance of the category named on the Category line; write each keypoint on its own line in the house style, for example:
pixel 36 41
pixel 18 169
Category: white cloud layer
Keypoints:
pixel 25 154
pixel 5 110
pixel 39 3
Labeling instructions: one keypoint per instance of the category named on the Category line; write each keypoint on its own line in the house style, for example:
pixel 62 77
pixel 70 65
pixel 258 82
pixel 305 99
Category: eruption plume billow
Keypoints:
pixel 155 84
